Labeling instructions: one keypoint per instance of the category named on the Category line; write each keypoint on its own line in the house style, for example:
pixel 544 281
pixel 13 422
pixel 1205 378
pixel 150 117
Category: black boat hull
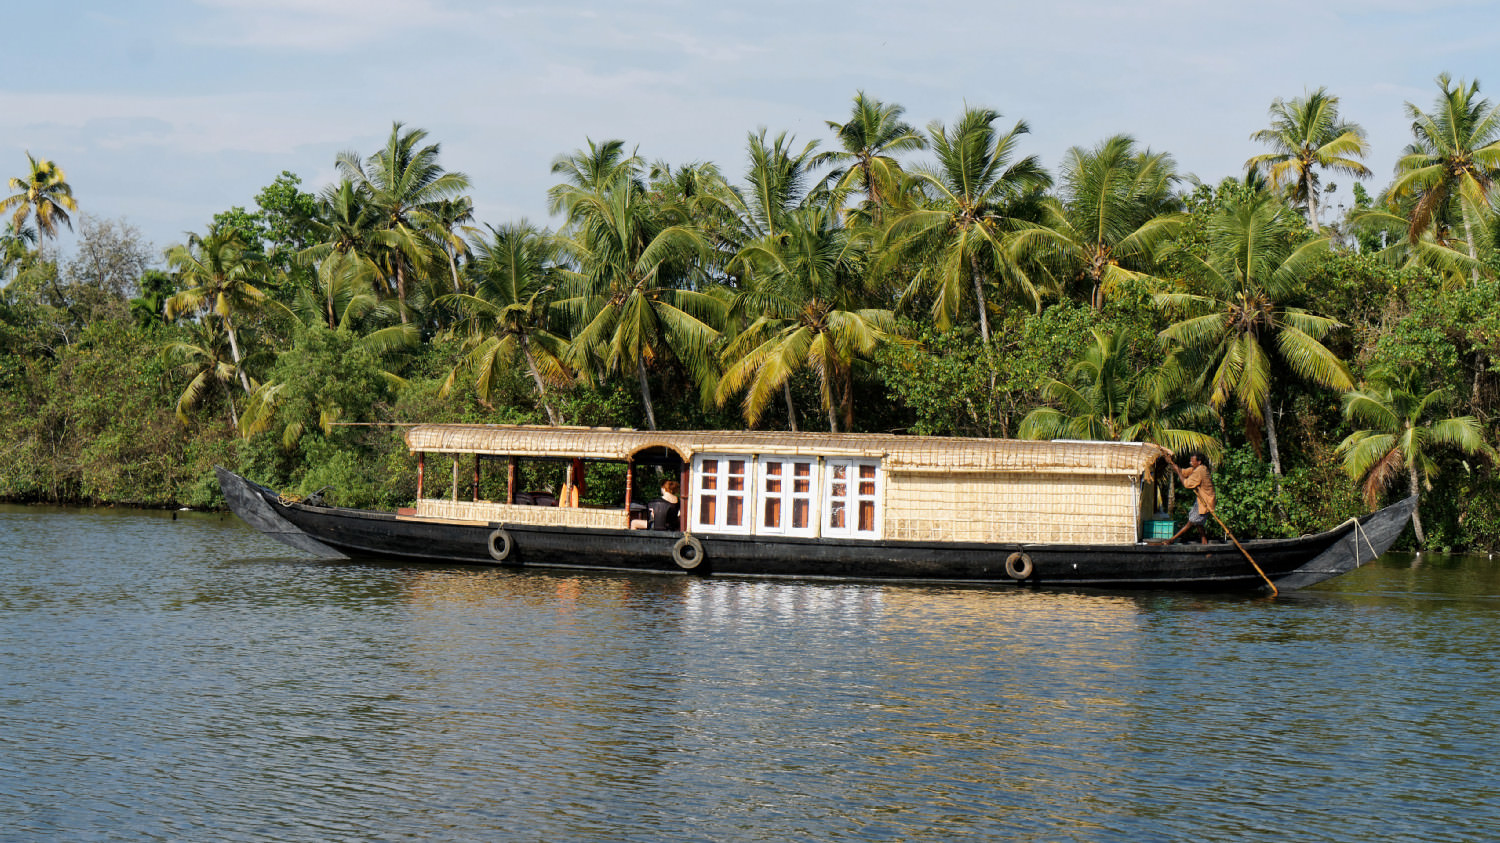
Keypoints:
pixel 1290 563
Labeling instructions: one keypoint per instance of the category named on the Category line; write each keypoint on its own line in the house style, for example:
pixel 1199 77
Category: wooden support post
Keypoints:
pixel 454 493
pixel 629 484
pixel 476 477
pixel 421 471
pixel 510 481
pixel 683 496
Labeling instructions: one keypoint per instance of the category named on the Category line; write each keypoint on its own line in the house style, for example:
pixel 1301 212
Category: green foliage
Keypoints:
pixel 96 425
pixel 944 379
pixel 630 312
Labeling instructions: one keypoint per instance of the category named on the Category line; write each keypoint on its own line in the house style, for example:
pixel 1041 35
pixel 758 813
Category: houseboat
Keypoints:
pixel 802 505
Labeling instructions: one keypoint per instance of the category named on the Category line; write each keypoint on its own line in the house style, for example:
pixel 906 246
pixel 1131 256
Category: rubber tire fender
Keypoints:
pixel 1018 565
pixel 500 544
pixel 688 553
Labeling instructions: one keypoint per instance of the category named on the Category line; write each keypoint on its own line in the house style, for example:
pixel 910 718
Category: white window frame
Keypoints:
pixel 721 494
pixel 852 498
pixel 787 495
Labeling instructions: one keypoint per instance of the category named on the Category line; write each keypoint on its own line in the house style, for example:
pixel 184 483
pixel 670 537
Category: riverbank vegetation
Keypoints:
pixel 935 280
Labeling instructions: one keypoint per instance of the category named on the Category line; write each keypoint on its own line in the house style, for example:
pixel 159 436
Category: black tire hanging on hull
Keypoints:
pixel 500 544
pixel 688 553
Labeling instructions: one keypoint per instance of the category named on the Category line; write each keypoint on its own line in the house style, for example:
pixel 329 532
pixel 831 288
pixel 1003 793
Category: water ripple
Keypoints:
pixel 193 682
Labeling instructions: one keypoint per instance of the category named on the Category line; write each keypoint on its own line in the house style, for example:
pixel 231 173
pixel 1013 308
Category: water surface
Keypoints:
pixel 187 678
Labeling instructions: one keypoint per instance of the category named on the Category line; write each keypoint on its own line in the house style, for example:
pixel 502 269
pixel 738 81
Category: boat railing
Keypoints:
pixel 490 511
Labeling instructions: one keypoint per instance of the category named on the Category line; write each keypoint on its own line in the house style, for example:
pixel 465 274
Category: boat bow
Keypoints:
pixel 254 504
pixel 1364 539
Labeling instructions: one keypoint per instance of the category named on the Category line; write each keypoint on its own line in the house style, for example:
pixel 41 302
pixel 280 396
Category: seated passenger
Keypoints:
pixel 666 509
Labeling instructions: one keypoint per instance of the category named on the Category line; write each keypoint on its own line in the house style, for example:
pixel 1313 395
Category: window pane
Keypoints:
pixel 734 511
pixel 799 513
pixel 836 515
pixel 867 488
pixel 773 512
pixel 867 516
pixel 707 508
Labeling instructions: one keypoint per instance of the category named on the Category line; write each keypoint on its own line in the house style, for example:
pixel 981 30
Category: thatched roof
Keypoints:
pixel 898 453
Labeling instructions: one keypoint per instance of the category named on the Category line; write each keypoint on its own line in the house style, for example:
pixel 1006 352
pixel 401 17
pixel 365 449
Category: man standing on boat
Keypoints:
pixel 1197 478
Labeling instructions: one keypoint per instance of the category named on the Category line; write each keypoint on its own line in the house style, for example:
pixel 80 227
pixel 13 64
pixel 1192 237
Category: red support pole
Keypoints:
pixel 683 493
pixel 629 483
pixel 421 471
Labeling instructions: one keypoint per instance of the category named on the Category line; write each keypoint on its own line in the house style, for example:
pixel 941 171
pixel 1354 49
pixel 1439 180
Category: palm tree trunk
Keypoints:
pixel 984 317
pixel 234 417
pixel 791 410
pixel 1473 254
pixel 401 291
pixel 640 370
pixel 234 350
pixel 1275 454
pixel 541 387
pixel 1312 210
pixel 1416 515
pixel 453 268
pixel 1271 441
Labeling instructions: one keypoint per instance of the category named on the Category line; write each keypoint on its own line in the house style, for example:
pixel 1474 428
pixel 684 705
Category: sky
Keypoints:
pixel 163 114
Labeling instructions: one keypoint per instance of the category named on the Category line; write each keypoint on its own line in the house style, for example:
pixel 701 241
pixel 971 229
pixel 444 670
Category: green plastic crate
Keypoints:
pixel 1160 529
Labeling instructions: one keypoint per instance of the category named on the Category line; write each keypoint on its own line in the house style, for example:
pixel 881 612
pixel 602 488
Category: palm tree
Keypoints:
pixel 975 197
pixel 590 170
pixel 44 195
pixel 874 134
pixel 342 292
pixel 1254 266
pixel 406 188
pixel 778 180
pixel 517 274
pixel 15 248
pixel 1115 213
pixel 450 218
pixel 628 293
pixel 203 355
pixel 1107 397
pixel 1306 135
pixel 801 301
pixel 1401 431
pixel 220 276
pixel 1451 165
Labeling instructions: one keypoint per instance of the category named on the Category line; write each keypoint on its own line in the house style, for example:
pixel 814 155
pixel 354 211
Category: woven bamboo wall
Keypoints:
pixel 550 516
pixel 1009 507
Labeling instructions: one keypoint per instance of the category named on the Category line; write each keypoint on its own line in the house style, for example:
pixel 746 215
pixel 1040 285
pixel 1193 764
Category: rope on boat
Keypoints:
pixel 1253 563
pixel 1361 533
pixel 288 500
